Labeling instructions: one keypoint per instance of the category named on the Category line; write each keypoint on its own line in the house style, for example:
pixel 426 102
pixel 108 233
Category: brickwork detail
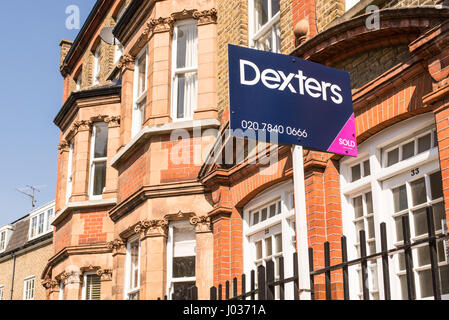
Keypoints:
pixel 369 65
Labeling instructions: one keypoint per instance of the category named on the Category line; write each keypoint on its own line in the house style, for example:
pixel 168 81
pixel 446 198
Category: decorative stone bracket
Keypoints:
pixel 117 246
pixel 105 274
pixel 151 228
pixel 202 224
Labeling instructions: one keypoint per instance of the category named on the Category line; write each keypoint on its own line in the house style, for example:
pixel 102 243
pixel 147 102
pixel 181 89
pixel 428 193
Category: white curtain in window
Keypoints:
pixel 191 45
pixel 190 97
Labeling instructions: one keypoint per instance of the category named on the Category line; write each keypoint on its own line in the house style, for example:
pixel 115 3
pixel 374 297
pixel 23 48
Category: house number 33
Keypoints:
pixel 415 172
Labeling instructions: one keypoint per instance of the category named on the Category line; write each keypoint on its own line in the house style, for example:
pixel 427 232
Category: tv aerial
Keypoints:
pixel 30 191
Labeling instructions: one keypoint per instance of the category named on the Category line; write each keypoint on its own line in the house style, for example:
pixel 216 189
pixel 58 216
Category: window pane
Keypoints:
pixel 372 247
pixel 408 150
pixel 141 65
pixel 279 208
pixel 186 55
pixel 275 7
pixel 355 173
pixel 444 277
pixel 99 178
pixel 358 207
pixel 360 225
pixel 371 234
pixel 278 240
pixel 268 246
pixel 93 287
pixel 101 140
pixel 418 191
pixel 41 223
pixel 180 289
pixel 369 203
pixel 435 139
pixel 436 185
pixel 423 256
pixel 272 210
pixel 258 250
pixel 439 215
pixel 366 168
pixel 261 13
pixel 134 252
pixel 264 214
pixel 424 143
pixel 425 282
pixel 420 220
pixel 404 292
pixel 399 232
pixel 184 267
pixel 33 226
pixel 393 157
pixel 400 198
pixel 256 218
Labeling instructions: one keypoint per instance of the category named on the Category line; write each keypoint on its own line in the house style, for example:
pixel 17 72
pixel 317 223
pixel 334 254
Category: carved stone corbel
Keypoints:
pixel 126 62
pixel 202 224
pixel 152 228
pixel 206 16
pixel 117 246
pixel 113 121
pixel 105 274
pixel 50 284
pixel 82 125
pixel 63 147
pixel 159 25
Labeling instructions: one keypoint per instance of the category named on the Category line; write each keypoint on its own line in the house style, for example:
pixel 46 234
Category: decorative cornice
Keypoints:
pixel 202 224
pixel 184 14
pixel 206 16
pixel 159 25
pixel 49 284
pixel 113 121
pixel 126 62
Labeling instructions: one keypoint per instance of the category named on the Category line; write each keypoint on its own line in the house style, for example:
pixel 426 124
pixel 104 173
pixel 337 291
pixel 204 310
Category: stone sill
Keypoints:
pixel 81 205
pixel 149 131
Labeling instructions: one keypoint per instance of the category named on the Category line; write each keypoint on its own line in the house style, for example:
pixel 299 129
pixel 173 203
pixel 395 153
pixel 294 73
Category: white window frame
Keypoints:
pixel 380 182
pixel 6 231
pixel 96 74
pixel 170 255
pixel 281 223
pixel 138 113
pixel 128 290
pixel 182 71
pixel 93 161
pixel 269 25
pixel 70 172
pixel 78 82
pixel 48 212
pixel 26 294
pixel 2 292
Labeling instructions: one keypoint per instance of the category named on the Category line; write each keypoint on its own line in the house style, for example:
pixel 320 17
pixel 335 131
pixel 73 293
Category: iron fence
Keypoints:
pixel 407 247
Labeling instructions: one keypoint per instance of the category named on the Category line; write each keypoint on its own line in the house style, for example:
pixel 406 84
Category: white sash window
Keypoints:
pixel 185 70
pixel 264 25
pixel 97 67
pixel 132 279
pixel 140 91
pixel 69 173
pixel 98 159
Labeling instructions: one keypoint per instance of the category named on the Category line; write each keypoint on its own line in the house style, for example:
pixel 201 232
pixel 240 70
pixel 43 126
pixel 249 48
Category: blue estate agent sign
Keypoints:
pixel 298 101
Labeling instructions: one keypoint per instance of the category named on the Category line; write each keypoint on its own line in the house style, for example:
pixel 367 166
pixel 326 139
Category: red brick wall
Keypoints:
pixel 94 227
pixel 62 235
pixel 132 173
pixel 305 9
pixel 186 170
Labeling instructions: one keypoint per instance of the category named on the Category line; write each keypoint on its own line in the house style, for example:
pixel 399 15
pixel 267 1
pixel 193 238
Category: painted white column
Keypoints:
pixel 301 223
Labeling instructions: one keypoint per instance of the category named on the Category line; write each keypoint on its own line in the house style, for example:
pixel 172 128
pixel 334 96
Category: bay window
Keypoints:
pixel 98 160
pixel 2 240
pixel 181 264
pixel 264 25
pixel 185 70
pixel 140 92
pixel 132 286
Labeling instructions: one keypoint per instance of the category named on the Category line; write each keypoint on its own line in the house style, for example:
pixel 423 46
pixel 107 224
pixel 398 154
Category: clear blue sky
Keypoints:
pixel 30 97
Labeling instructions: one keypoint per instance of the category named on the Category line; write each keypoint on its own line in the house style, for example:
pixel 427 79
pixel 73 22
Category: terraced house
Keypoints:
pixel 147 204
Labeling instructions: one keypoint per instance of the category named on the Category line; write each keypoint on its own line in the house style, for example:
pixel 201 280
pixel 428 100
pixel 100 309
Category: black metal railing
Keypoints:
pixel 264 289
pixel 407 247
